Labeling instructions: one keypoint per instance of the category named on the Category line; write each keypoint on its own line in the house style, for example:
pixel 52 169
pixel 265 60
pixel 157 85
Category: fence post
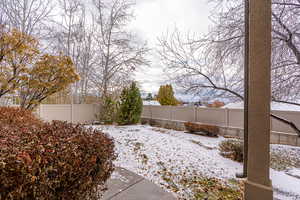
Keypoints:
pixel 150 108
pixel 40 111
pixel 71 112
pixel 227 117
pixel 195 114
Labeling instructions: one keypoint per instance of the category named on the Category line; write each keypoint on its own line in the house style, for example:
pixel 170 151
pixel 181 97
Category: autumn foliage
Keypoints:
pixel 17 52
pixel 166 96
pixel 209 130
pixel 216 104
pixel 25 70
pixel 50 74
pixel 49 161
pixel 17 117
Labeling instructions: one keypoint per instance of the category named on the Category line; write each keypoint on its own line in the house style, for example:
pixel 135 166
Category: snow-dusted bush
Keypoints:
pixel 55 160
pixel 232 149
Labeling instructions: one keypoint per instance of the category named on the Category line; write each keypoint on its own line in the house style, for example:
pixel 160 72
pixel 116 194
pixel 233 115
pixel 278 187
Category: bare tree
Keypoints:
pixel 216 60
pixel 189 67
pixel 213 65
pixel 74 37
pixel 28 16
pixel 118 52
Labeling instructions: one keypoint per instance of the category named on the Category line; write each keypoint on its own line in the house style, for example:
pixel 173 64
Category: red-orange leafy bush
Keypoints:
pixel 209 130
pixel 14 116
pixel 55 160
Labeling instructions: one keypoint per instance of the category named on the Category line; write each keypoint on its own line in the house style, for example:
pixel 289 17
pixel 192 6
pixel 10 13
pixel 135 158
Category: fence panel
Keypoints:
pixel 85 113
pixel 289 115
pixel 213 116
pixel 183 113
pixel 161 112
pixel 146 112
pixel 236 118
pixel 49 112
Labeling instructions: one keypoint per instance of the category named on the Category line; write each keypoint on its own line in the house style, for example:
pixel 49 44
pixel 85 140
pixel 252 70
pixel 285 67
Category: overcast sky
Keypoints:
pixel 154 17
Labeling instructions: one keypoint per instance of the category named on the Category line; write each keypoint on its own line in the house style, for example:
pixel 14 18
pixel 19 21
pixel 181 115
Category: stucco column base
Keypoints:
pixel 254 191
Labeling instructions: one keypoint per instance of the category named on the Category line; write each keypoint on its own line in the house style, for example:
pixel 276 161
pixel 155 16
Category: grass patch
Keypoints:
pixel 194 186
pixel 281 162
pixel 214 189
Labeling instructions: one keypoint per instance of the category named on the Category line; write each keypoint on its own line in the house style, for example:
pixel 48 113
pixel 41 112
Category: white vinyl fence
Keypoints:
pixel 223 117
pixel 76 113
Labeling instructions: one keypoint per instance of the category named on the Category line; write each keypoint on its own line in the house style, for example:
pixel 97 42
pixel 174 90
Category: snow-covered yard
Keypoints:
pixel 166 157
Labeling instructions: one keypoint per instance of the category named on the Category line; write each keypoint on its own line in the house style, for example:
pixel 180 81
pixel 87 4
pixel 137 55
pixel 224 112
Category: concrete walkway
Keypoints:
pixel 126 185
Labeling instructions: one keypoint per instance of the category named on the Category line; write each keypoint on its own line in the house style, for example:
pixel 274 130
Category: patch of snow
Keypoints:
pixel 294 173
pixel 151 103
pixel 118 176
pixel 274 106
pixel 148 151
pixel 285 185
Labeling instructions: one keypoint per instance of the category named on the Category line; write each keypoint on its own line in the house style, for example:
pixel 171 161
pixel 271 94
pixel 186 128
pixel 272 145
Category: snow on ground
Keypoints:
pixel 274 106
pixel 151 103
pixel 153 152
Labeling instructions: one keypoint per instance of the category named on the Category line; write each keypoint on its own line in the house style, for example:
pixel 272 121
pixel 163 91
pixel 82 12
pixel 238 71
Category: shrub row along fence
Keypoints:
pixel 229 120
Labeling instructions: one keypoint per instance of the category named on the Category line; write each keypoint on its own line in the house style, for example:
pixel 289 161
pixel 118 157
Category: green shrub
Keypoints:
pixel 166 96
pixel 108 110
pixel 232 149
pixel 131 106
pixel 53 161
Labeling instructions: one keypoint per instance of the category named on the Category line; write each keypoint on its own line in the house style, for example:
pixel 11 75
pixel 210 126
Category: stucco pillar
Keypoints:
pixel 258 185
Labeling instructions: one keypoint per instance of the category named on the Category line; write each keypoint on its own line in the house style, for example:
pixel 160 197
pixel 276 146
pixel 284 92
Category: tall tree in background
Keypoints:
pixel 166 97
pixel 94 34
pixel 119 53
pixel 27 16
pixel 69 37
pixel 149 97
pixel 213 65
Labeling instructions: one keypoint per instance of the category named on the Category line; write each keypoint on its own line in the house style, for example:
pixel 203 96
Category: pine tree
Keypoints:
pixel 108 110
pixel 131 105
pixel 166 96
pixel 149 97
